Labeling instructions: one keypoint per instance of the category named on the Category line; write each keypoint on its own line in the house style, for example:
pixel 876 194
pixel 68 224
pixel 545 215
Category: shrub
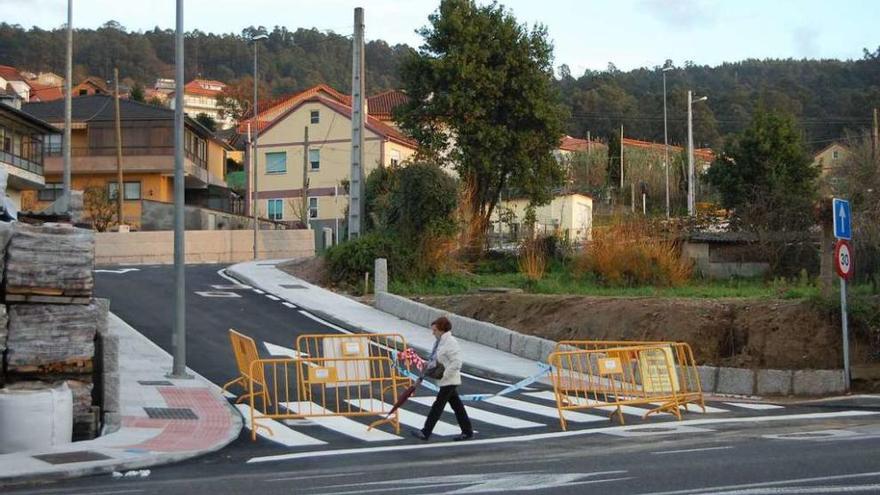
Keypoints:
pixel 347 262
pixel 630 254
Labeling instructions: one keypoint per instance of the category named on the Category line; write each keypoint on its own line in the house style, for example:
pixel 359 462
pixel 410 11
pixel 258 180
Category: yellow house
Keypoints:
pixel 570 215
pixel 147 155
pixel 282 158
pixel 830 157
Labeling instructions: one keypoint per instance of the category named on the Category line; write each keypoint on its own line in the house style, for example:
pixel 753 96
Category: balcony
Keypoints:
pixel 135 159
pixel 21 162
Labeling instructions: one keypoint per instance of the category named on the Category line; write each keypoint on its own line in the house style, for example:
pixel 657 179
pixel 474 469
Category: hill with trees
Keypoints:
pixel 826 97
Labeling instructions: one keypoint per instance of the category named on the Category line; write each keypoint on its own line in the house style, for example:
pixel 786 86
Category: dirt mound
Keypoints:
pixel 775 334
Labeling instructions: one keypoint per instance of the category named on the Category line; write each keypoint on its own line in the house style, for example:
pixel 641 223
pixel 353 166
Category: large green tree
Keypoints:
pixel 766 175
pixel 484 101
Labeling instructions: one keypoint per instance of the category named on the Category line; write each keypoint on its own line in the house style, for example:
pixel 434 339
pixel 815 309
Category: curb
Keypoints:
pixel 467 368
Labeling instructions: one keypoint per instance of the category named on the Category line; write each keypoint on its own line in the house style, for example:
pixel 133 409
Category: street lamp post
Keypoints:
pixel 666 140
pixel 691 178
pixel 256 127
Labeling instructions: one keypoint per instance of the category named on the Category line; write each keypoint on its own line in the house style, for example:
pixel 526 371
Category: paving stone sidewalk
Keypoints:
pixel 189 418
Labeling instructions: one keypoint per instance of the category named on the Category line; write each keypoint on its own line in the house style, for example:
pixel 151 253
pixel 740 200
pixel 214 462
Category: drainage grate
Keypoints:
pixel 156 383
pixel 71 457
pixel 293 286
pixel 170 413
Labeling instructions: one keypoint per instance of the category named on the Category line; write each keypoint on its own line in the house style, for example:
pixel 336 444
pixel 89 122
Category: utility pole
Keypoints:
pixel 256 121
pixel 665 140
pixel 621 157
pixel 589 143
pixel 67 104
pixel 691 175
pixel 178 342
pixel 120 190
pixel 690 154
pixel 305 189
pixel 356 187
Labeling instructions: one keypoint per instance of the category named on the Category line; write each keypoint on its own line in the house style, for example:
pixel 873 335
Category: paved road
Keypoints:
pixel 725 451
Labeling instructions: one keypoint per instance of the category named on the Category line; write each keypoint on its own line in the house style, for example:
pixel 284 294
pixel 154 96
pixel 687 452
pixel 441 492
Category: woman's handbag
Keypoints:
pixel 436 372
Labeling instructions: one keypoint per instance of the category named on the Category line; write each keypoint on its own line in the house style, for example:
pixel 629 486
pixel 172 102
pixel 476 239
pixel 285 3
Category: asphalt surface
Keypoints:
pixel 828 447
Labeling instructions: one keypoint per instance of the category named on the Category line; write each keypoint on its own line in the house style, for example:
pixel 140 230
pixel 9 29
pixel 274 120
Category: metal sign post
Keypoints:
pixel 844 264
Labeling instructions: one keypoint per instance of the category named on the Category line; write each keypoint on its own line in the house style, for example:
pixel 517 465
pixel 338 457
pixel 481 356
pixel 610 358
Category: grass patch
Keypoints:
pixel 560 282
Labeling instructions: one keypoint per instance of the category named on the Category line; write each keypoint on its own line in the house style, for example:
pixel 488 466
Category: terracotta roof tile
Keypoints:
pixel 10 73
pixel 569 143
pixel 44 92
pixel 383 104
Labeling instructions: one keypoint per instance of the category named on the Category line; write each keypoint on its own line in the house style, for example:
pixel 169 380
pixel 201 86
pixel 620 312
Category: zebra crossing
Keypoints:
pixel 498 416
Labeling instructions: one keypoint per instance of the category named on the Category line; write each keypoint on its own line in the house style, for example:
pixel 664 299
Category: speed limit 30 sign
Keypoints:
pixel 843 260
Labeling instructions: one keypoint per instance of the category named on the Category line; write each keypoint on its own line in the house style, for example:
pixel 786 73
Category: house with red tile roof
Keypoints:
pixel 43 92
pixel 282 155
pixel 11 79
pixel 201 96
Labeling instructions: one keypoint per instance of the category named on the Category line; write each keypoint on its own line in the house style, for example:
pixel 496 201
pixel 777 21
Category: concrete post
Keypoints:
pixel 380 275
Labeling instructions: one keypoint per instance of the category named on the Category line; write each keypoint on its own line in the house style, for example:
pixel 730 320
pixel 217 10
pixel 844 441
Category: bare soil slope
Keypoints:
pixel 774 334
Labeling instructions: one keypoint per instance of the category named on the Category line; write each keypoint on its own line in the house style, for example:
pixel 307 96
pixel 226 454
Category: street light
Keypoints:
pixel 666 139
pixel 255 39
pixel 691 178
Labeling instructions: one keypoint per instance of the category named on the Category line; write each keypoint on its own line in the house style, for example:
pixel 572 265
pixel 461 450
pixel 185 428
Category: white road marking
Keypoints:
pixel 407 418
pixel 485 416
pixel 118 272
pixel 277 350
pixel 340 424
pixel 766 484
pixel 549 412
pixel 695 408
pixel 280 433
pixel 216 293
pixel 229 395
pixel 685 451
pixel 315 476
pixel 258 291
pixel 562 434
pixel 323 322
pixel 288 305
pixel 229 287
pixel 581 401
pixel 805 489
pixel 754 405
pixel 270 296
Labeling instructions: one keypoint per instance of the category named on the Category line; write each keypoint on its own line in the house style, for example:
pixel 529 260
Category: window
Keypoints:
pixel 276 163
pixel 395 158
pixel 315 159
pixel 316 116
pixel 132 190
pixel 51 192
pixel 83 92
pixel 313 207
pixel 835 154
pixel 52 144
pixel 276 209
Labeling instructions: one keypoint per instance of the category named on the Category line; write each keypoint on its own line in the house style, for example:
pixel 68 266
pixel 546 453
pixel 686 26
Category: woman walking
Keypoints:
pixel 445 365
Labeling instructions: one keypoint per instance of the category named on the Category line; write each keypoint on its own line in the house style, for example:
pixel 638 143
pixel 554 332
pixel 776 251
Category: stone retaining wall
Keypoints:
pixel 718 380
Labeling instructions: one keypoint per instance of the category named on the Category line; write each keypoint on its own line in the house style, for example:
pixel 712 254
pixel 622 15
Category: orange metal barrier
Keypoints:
pixel 325 386
pixel 613 374
pixel 245 350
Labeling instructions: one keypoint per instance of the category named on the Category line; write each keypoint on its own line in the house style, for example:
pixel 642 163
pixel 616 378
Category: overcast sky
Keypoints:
pixel 587 33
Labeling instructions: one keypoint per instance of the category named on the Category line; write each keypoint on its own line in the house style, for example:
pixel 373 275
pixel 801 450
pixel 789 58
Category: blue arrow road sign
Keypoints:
pixel 842 219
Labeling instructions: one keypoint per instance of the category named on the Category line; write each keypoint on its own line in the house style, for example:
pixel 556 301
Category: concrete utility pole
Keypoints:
pixel 120 190
pixel 305 189
pixel 691 175
pixel 356 185
pixel 178 342
pixel 621 157
pixel 666 140
pixel 68 75
pixel 255 202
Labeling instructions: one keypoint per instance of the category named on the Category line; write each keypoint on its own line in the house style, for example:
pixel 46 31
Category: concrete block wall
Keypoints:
pixel 718 380
pixel 202 246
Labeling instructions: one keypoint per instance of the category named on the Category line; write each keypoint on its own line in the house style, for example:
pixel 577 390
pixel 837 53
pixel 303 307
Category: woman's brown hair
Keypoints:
pixel 442 324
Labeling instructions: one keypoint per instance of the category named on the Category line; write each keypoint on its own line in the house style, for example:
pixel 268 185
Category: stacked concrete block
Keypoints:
pixel 774 382
pixel 53 322
pixel 818 382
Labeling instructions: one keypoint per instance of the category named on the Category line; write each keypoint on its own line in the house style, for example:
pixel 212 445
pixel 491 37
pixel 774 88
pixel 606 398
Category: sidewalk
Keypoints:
pixel 335 308
pixel 205 421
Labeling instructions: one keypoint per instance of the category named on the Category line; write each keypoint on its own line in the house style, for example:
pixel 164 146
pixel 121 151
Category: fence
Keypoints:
pixel 610 375
pixel 333 375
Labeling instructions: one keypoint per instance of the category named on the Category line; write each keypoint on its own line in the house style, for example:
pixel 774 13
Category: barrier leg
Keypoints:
pixel 237 381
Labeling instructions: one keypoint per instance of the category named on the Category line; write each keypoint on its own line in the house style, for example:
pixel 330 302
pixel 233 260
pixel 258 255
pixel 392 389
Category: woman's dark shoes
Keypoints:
pixel 463 436
pixel 419 434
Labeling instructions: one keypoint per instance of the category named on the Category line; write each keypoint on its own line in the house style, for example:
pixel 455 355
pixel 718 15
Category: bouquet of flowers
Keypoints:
pixel 410 358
